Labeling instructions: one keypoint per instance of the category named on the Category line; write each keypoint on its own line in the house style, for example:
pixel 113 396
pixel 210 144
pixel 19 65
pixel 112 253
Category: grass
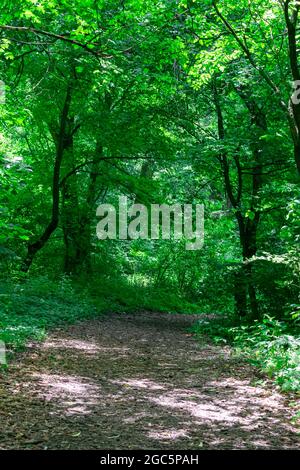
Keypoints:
pixel 133 297
pixel 30 307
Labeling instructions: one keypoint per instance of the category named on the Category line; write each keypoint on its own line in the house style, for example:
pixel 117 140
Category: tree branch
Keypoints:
pixel 85 46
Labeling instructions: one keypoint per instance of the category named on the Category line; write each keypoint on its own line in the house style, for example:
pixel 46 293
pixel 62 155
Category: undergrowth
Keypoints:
pixel 31 306
pixel 122 296
pixel 272 345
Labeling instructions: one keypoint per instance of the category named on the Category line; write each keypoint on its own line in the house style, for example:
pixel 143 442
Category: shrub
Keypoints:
pixel 272 345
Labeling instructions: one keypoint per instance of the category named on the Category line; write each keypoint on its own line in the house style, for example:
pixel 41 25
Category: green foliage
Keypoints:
pixel 29 308
pixel 165 102
pixel 272 345
pixel 125 295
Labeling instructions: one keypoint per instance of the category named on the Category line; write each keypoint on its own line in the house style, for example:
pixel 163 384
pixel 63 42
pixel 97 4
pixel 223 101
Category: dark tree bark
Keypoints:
pixel 248 226
pixel 291 20
pixel 77 217
pixel 78 209
pixel 60 143
pixel 69 205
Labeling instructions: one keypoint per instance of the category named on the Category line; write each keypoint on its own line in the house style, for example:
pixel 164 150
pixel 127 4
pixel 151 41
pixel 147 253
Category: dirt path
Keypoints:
pixel 130 382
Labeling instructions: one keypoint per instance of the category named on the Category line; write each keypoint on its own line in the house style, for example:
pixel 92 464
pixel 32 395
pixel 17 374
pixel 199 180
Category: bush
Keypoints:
pixel 272 345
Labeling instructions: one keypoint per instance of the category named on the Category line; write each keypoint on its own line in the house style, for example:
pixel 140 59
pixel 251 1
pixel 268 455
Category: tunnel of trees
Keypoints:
pixel 165 102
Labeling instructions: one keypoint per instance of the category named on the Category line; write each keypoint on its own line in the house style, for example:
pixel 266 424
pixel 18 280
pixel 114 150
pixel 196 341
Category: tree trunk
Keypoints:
pixel 77 218
pixel 244 285
pixel 36 246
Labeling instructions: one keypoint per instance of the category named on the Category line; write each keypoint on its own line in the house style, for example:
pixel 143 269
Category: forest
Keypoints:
pixel 116 333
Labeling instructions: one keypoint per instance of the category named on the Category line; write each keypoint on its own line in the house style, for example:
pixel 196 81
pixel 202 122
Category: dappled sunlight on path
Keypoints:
pixel 129 382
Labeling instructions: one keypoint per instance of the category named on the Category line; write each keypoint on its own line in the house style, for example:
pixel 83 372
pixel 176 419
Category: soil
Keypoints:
pixel 139 382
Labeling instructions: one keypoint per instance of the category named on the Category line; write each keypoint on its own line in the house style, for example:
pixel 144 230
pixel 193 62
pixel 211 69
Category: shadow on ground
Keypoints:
pixel 131 382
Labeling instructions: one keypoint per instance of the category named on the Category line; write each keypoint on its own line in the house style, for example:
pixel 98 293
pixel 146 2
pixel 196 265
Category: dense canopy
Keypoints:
pixel 163 103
